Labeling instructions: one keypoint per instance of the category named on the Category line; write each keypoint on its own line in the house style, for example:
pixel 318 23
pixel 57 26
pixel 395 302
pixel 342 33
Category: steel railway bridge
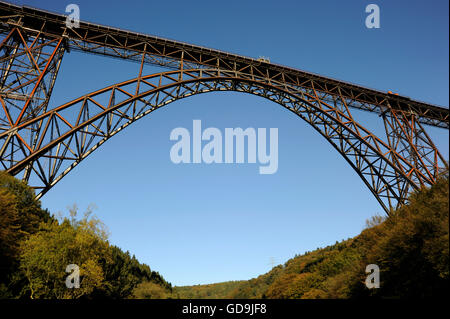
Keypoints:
pixel 42 144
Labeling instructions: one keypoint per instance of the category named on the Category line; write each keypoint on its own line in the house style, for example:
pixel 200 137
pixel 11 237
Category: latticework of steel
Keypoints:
pixel 44 144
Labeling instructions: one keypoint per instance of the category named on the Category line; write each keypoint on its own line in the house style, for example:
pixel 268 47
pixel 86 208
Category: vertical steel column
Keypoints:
pixel 29 64
pixel 408 138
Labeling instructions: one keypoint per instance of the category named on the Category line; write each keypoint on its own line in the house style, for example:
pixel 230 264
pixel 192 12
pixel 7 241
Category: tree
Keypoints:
pixel 46 254
pixel 20 217
pixel 126 272
pixel 150 290
pixel 412 250
pixel 36 248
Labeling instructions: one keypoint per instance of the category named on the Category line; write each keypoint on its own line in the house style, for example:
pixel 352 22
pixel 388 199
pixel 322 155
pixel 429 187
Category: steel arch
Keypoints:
pixel 74 130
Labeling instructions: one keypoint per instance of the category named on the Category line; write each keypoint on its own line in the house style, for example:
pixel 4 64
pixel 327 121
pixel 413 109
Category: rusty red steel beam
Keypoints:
pixel 38 82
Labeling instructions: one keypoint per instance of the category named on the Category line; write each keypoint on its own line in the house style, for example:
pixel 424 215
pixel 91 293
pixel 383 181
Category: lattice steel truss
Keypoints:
pixel 29 64
pixel 43 145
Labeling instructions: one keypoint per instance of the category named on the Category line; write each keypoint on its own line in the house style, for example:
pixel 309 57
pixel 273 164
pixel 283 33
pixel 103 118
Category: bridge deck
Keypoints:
pixel 99 39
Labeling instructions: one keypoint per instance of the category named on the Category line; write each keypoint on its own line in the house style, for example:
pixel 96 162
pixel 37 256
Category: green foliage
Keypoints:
pixel 20 216
pixel 36 249
pixel 211 291
pixel 411 247
pixel 150 290
pixel 30 211
pixel 46 254
pixel 125 273
pixel 105 270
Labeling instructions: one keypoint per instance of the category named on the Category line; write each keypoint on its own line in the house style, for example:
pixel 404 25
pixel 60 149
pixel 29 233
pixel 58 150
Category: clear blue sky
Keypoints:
pixel 204 223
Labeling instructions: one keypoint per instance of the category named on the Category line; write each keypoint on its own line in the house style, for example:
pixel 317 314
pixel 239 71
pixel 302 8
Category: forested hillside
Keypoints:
pixel 411 248
pixel 36 247
pixel 211 291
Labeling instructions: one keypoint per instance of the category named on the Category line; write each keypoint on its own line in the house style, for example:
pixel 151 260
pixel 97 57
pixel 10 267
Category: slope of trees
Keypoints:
pixel 411 248
pixel 36 248
pixel 211 291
